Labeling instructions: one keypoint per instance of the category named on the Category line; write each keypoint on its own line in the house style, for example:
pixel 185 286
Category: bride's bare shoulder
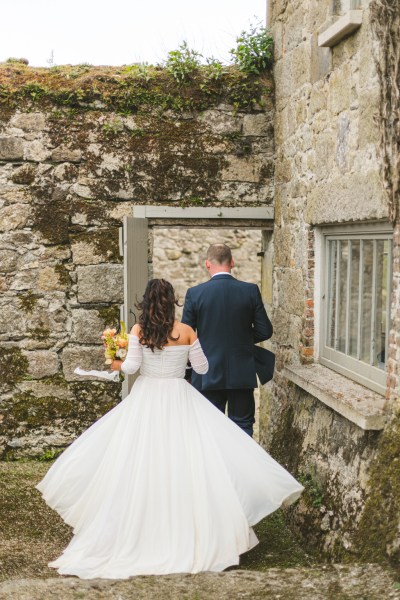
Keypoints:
pixel 186 332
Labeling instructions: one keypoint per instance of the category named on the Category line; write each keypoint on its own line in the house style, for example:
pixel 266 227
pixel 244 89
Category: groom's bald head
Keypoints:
pixel 219 254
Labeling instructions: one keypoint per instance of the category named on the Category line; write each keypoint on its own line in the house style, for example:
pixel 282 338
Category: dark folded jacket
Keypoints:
pixel 265 364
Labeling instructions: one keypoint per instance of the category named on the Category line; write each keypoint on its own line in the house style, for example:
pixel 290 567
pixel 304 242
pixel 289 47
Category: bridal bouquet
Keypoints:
pixel 115 344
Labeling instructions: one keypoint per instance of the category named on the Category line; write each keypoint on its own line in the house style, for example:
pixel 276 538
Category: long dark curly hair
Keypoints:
pixel 157 314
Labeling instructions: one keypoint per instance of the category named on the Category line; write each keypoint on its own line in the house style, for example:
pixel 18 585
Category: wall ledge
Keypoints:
pixel 340 29
pixel 353 401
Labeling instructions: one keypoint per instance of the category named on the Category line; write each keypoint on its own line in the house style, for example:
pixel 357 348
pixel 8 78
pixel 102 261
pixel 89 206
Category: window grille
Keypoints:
pixel 356 295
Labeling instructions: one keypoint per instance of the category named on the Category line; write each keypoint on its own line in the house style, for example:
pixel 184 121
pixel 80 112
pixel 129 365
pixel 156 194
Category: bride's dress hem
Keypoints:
pixel 234 561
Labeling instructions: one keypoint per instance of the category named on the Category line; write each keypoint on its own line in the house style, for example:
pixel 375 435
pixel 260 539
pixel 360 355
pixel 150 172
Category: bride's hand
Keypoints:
pixel 116 365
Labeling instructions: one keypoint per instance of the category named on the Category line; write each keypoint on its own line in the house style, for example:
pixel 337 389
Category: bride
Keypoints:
pixel 164 482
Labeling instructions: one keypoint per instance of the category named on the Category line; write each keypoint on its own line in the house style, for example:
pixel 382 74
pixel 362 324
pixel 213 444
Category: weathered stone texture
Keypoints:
pixel 42 363
pixel 85 357
pixel 87 326
pixel 100 283
pixel 327 172
pixel 11 148
pixel 29 121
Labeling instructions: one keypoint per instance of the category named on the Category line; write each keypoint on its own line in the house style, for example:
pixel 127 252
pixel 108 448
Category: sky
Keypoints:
pixel 116 32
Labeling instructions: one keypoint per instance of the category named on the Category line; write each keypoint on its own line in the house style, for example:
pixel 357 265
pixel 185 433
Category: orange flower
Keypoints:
pixel 122 343
pixel 110 332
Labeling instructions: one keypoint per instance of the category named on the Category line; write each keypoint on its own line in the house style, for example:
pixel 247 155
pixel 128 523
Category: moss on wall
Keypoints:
pixel 378 534
pixel 13 366
pixel 28 301
pixel 124 89
pixel 105 242
pixel 110 315
pixel 72 413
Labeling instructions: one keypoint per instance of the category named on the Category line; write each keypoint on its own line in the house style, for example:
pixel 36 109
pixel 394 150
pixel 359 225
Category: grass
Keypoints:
pixel 31 534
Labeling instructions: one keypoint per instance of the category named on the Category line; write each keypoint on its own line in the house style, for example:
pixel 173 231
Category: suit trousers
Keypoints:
pixel 241 407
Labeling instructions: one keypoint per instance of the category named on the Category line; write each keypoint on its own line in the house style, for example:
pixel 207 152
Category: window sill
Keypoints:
pixel 344 26
pixel 353 401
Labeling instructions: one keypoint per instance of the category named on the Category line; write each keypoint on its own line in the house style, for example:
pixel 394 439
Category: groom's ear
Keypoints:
pixel 208 264
pixel 232 263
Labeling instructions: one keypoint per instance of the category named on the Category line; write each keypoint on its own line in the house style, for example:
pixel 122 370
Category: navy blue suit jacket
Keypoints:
pixel 229 317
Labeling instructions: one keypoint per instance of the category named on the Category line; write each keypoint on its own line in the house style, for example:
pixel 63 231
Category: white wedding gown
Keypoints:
pixel 164 482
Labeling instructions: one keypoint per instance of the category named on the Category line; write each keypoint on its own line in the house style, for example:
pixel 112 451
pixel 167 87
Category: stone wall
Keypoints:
pixel 79 147
pixel 327 172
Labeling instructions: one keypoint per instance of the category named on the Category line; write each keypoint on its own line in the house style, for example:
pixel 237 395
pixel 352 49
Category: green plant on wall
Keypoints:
pixel 312 489
pixel 254 50
pixel 182 63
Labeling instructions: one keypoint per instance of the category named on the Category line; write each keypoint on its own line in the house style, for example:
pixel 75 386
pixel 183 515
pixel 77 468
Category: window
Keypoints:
pixel 355 302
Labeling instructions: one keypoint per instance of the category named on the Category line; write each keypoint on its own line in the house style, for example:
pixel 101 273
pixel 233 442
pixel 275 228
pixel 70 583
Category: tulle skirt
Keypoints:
pixel 163 483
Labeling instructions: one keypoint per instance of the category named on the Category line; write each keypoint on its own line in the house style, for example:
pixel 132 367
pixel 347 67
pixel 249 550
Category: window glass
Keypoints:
pixel 354 297
pixel 357 310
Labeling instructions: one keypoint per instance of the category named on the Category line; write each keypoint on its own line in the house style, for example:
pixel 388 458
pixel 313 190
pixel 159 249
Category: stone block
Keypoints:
pixel 324 148
pixel 283 246
pixel 49 279
pixel 100 283
pixel 339 91
pixel 56 388
pixel 85 254
pixel 350 197
pixel 287 328
pixel 87 326
pixel 29 121
pixel 242 169
pixel 8 260
pixel 13 194
pixel 257 125
pixel 321 60
pixel 36 151
pixel 83 191
pixel 24 175
pixel 342 142
pixel 65 154
pixel 221 122
pixel 42 363
pixel 368 127
pixel 291 291
pixel 85 357
pixel 14 217
pixel 318 98
pixel 11 148
pixel 10 319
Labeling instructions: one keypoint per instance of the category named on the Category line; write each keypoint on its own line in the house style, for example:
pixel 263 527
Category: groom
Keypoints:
pixel 229 318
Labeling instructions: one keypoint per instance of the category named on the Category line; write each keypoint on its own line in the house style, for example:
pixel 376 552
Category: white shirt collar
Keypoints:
pixel 222 273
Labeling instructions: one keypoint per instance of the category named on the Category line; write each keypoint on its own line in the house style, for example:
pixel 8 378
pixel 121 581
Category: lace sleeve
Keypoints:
pixel 134 357
pixel 197 358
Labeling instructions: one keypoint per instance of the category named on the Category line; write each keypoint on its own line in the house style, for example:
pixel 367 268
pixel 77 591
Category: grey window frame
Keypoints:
pixel 369 375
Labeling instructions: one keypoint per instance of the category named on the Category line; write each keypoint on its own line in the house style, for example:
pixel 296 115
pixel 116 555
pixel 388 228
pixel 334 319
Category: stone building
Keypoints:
pixel 82 149
pixel 331 414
